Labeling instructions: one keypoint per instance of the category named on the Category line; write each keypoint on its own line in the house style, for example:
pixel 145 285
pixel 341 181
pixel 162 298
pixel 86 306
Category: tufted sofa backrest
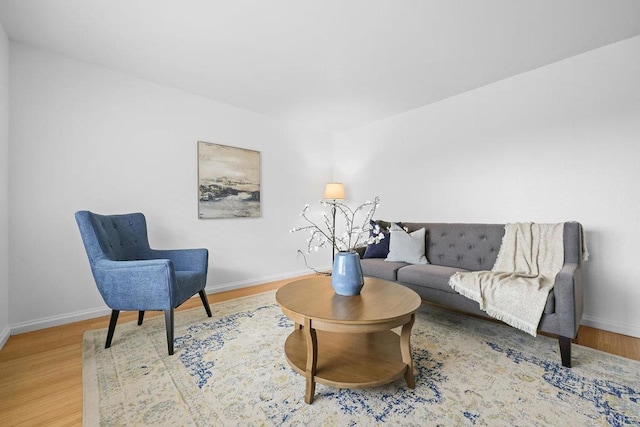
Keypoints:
pixel 476 246
pixel 115 237
pixel 469 246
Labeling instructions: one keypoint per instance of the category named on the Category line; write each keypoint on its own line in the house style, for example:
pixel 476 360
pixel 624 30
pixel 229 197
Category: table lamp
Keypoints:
pixel 333 191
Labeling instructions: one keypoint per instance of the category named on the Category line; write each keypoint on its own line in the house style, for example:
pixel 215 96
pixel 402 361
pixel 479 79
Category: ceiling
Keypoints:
pixel 326 64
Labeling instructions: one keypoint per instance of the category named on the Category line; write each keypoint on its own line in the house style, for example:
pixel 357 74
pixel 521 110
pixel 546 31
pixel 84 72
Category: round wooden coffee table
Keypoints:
pixel 345 341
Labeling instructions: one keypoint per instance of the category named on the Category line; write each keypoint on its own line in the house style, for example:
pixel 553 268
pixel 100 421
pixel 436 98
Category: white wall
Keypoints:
pixel 4 187
pixel 84 137
pixel 558 143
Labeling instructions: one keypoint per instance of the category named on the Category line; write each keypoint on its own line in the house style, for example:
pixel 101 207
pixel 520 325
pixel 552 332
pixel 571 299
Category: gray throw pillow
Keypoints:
pixel 406 247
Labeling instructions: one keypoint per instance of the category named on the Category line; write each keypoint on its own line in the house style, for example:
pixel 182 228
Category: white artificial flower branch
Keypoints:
pixel 353 237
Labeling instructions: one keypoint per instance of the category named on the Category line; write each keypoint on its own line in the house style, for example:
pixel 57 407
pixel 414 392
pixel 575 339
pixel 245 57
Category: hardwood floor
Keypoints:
pixel 609 342
pixel 41 371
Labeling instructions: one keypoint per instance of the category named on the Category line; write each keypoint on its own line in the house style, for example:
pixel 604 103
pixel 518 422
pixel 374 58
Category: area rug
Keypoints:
pixel 230 370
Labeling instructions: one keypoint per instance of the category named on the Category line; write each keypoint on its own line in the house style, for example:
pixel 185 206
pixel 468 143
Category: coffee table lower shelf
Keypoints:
pixel 349 360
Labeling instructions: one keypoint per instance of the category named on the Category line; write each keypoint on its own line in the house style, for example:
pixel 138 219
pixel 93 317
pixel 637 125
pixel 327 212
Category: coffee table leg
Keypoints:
pixel 312 359
pixel 405 348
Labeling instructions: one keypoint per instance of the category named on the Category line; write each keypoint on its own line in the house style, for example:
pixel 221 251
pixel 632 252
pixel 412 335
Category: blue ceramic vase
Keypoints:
pixel 346 277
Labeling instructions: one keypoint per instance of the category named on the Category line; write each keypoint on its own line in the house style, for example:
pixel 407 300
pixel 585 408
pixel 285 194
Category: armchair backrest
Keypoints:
pixel 114 237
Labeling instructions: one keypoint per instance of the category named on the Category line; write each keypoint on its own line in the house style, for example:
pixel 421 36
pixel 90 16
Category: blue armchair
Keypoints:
pixel 132 276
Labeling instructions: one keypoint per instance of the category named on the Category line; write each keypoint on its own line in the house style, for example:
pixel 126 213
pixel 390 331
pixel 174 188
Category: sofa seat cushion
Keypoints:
pixel 550 307
pixel 378 267
pixel 437 277
pixel 430 276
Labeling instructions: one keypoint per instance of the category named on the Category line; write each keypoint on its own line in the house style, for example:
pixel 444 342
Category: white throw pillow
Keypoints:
pixel 405 247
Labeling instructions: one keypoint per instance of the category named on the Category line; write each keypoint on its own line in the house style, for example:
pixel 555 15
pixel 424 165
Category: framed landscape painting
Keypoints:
pixel 228 181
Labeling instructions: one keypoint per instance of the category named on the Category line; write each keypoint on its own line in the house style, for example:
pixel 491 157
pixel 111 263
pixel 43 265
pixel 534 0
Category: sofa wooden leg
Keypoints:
pixel 565 350
pixel 168 320
pixel 140 317
pixel 112 327
pixel 205 302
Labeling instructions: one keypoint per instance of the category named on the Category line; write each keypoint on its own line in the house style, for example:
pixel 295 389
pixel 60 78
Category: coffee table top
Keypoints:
pixel 379 300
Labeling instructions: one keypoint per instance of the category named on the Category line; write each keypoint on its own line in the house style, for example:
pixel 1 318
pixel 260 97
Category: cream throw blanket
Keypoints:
pixel 515 291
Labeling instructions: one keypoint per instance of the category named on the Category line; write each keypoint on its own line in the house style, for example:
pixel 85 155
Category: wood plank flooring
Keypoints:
pixel 41 371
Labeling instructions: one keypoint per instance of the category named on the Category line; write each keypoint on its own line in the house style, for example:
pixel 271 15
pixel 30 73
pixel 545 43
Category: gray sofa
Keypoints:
pixel 472 247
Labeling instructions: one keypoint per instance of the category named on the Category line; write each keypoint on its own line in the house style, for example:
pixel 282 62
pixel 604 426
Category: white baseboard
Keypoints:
pixel 4 336
pixel 62 319
pixel 248 283
pixel 607 325
pixel 78 316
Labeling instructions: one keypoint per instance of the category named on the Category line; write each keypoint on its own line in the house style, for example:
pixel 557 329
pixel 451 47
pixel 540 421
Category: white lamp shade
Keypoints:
pixel 334 191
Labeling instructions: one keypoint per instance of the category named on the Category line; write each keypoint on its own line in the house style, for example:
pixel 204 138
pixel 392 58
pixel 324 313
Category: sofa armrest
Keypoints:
pixel 569 307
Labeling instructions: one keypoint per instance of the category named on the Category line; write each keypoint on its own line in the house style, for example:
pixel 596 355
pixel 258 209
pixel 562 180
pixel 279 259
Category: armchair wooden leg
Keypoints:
pixel 205 302
pixel 168 320
pixel 140 317
pixel 565 350
pixel 112 327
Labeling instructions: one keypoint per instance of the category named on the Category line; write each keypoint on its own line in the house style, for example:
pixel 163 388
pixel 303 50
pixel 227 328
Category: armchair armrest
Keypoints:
pixel 136 285
pixel 184 259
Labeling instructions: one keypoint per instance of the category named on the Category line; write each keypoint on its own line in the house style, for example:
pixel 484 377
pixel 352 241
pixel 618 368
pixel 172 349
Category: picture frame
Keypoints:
pixel 228 182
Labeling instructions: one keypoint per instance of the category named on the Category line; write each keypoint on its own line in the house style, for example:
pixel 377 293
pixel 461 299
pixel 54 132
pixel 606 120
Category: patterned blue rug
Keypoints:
pixel 230 370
